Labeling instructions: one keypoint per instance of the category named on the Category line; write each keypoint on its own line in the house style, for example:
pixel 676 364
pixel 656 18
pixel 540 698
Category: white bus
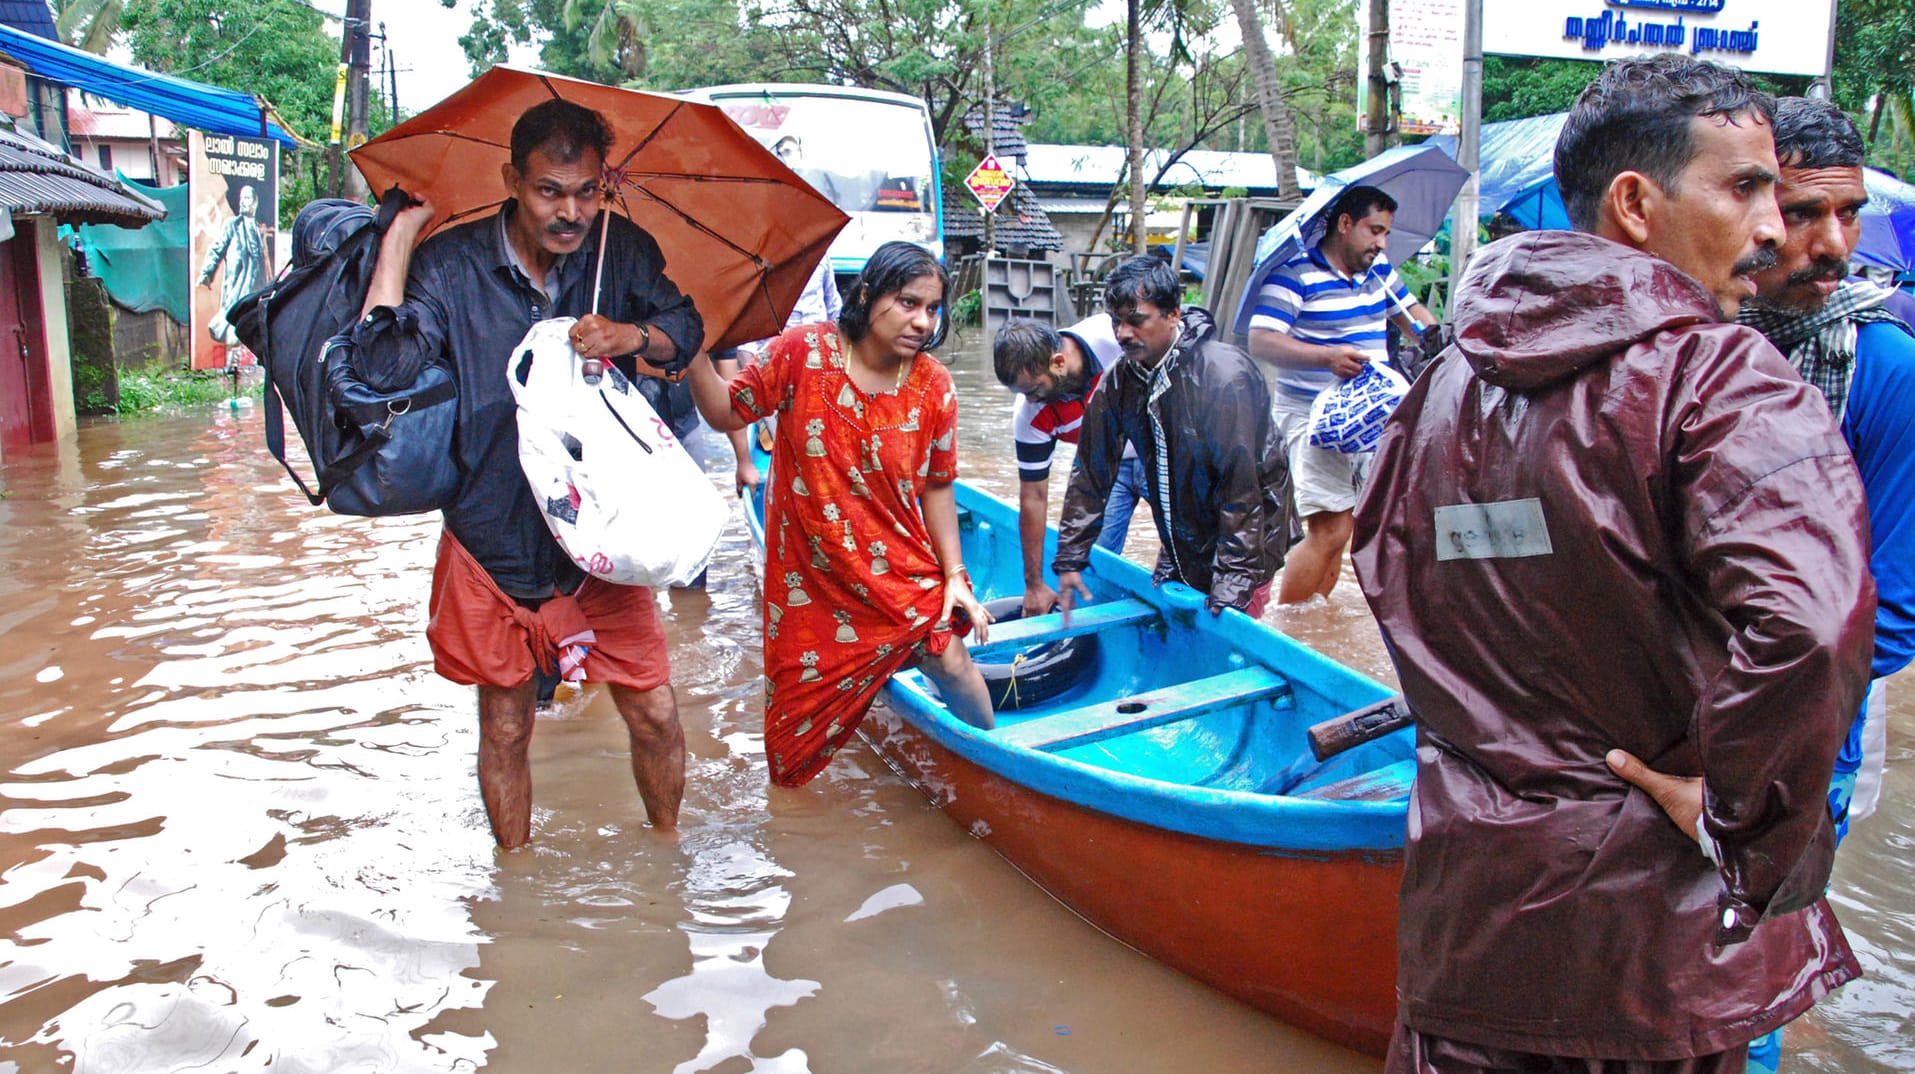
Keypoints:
pixel 871 152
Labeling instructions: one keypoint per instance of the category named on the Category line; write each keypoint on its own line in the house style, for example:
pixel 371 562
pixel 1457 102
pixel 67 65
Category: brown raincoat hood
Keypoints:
pixel 1540 309
pixel 1603 519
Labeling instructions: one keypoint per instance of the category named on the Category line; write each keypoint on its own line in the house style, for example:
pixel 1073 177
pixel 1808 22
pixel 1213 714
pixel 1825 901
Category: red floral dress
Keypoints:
pixel 852 584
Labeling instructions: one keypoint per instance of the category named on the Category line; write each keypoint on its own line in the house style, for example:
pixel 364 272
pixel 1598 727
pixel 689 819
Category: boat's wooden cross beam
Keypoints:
pixel 1124 716
pixel 1006 638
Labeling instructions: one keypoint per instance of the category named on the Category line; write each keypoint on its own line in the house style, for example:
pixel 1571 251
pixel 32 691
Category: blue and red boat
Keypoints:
pixel 1159 782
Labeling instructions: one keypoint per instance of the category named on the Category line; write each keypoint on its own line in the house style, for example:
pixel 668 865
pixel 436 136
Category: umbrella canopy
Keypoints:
pixel 741 232
pixel 1423 180
pixel 1888 220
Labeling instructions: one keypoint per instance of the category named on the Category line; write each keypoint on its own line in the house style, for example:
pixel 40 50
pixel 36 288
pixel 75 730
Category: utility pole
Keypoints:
pixel 990 135
pixel 1469 141
pixel 1377 121
pixel 351 115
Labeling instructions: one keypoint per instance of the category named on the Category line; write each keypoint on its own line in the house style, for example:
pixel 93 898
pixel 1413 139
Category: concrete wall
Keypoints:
pixel 53 319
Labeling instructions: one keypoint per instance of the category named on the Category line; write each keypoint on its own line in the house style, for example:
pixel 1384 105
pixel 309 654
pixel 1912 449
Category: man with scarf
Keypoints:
pixel 1838 335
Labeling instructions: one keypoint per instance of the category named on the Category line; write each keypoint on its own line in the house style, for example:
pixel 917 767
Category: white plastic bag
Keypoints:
pixel 620 493
pixel 1349 415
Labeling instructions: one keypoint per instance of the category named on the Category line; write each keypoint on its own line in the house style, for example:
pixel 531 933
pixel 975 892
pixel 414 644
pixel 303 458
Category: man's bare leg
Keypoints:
pixel 658 750
pixel 505 767
pixel 1313 566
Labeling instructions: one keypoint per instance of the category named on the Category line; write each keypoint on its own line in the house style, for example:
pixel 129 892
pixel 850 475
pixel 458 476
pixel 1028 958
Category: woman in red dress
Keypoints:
pixel 862 563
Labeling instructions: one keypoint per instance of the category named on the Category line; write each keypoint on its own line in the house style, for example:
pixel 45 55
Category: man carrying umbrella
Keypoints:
pixel 505 597
pixel 1320 318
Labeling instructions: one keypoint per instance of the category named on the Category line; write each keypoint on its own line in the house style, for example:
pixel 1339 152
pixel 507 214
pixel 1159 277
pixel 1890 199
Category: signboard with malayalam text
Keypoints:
pixel 1426 44
pixel 1787 37
pixel 990 183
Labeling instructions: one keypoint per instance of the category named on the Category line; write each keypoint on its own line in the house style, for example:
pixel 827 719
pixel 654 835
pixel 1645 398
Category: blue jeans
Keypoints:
pixel 1124 494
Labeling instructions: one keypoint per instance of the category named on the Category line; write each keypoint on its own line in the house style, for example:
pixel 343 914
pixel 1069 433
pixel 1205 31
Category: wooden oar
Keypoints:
pixel 1353 729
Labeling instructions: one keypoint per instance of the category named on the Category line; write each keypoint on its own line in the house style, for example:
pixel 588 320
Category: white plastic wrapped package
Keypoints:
pixel 619 492
pixel 1349 415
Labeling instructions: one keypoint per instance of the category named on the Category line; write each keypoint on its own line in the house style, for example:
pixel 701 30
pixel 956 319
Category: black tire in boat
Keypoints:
pixel 1046 672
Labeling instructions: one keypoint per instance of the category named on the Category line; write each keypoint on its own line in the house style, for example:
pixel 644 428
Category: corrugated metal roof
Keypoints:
pixel 1101 165
pixel 37 178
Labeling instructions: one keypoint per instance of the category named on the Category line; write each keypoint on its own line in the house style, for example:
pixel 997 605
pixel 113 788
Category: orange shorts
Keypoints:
pixel 481 637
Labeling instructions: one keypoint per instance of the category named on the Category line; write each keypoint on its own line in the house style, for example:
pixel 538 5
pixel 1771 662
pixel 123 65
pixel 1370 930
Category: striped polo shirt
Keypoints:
pixel 1308 299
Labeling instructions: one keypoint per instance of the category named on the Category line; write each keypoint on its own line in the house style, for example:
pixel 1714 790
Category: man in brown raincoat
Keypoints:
pixel 1606 525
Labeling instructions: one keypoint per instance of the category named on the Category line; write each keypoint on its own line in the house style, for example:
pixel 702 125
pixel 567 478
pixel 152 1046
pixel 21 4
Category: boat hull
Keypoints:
pixel 1307 936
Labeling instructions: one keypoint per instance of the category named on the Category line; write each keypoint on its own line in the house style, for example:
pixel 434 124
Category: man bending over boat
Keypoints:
pixel 1054 373
pixel 1606 525
pixel 1197 412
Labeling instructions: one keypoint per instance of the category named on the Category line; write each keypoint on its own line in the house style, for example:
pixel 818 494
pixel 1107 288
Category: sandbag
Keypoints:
pixel 618 491
pixel 1349 415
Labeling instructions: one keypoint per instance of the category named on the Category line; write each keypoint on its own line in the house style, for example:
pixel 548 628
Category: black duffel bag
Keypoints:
pixel 401 460
pixel 380 441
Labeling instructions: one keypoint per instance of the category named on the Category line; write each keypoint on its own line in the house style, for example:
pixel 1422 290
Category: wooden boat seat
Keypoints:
pixel 1022 633
pixel 1127 715
pixel 1386 784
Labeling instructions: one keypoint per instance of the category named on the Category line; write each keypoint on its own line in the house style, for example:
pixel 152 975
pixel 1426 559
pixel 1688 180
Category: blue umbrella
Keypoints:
pixel 1423 180
pixel 1888 220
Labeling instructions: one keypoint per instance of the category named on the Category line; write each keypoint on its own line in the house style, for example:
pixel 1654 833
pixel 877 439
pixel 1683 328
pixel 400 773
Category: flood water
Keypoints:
pixel 239 829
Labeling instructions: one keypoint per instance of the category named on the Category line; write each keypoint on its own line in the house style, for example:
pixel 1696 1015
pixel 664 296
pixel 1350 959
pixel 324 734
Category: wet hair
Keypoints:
pixel 1023 346
pixel 1816 134
pixel 561 130
pixel 1144 278
pixel 890 270
pixel 1638 116
pixel 1358 202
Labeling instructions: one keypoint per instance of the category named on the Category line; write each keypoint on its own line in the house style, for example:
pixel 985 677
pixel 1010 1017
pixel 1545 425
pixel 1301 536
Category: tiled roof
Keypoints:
pixel 1019 222
pixel 37 178
pixel 1009 129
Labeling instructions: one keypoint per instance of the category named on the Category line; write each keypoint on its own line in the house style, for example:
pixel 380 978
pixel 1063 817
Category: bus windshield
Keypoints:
pixel 871 156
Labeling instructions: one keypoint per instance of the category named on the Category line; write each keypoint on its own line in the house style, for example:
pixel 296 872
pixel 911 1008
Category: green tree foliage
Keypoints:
pixel 275 49
pixel 1875 77
pixel 88 24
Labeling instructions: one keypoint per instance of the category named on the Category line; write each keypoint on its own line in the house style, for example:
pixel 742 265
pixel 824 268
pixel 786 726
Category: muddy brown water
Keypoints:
pixel 239 829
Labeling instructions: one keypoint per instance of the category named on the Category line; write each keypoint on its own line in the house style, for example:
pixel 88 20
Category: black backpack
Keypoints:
pixel 374 451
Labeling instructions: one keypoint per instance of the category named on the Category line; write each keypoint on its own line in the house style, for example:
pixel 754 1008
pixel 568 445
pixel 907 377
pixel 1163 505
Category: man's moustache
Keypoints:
pixel 560 227
pixel 1761 261
pixel 1824 269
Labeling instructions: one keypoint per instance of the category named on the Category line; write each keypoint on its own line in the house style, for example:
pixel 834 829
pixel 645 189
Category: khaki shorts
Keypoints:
pixel 1322 480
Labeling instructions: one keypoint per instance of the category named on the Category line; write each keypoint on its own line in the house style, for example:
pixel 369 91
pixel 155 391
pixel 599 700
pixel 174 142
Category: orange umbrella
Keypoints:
pixel 740 231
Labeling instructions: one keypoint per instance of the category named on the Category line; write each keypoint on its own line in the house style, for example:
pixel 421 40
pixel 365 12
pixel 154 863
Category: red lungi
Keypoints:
pixel 481 637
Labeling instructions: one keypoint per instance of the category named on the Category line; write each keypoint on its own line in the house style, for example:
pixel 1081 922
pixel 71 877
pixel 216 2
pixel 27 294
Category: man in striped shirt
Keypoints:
pixel 1319 318
pixel 1054 374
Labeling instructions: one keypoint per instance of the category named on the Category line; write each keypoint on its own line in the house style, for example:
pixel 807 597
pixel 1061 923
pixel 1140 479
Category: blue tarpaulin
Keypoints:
pixel 1514 156
pixel 185 102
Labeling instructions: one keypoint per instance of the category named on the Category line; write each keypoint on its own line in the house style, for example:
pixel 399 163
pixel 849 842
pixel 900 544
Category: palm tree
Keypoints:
pixel 1278 126
pixel 88 24
pixel 618 34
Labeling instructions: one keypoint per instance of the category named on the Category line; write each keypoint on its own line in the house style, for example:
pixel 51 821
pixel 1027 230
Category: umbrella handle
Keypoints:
pixel 598 276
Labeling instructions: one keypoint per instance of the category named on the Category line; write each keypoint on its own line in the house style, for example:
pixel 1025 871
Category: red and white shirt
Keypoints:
pixel 1037 428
